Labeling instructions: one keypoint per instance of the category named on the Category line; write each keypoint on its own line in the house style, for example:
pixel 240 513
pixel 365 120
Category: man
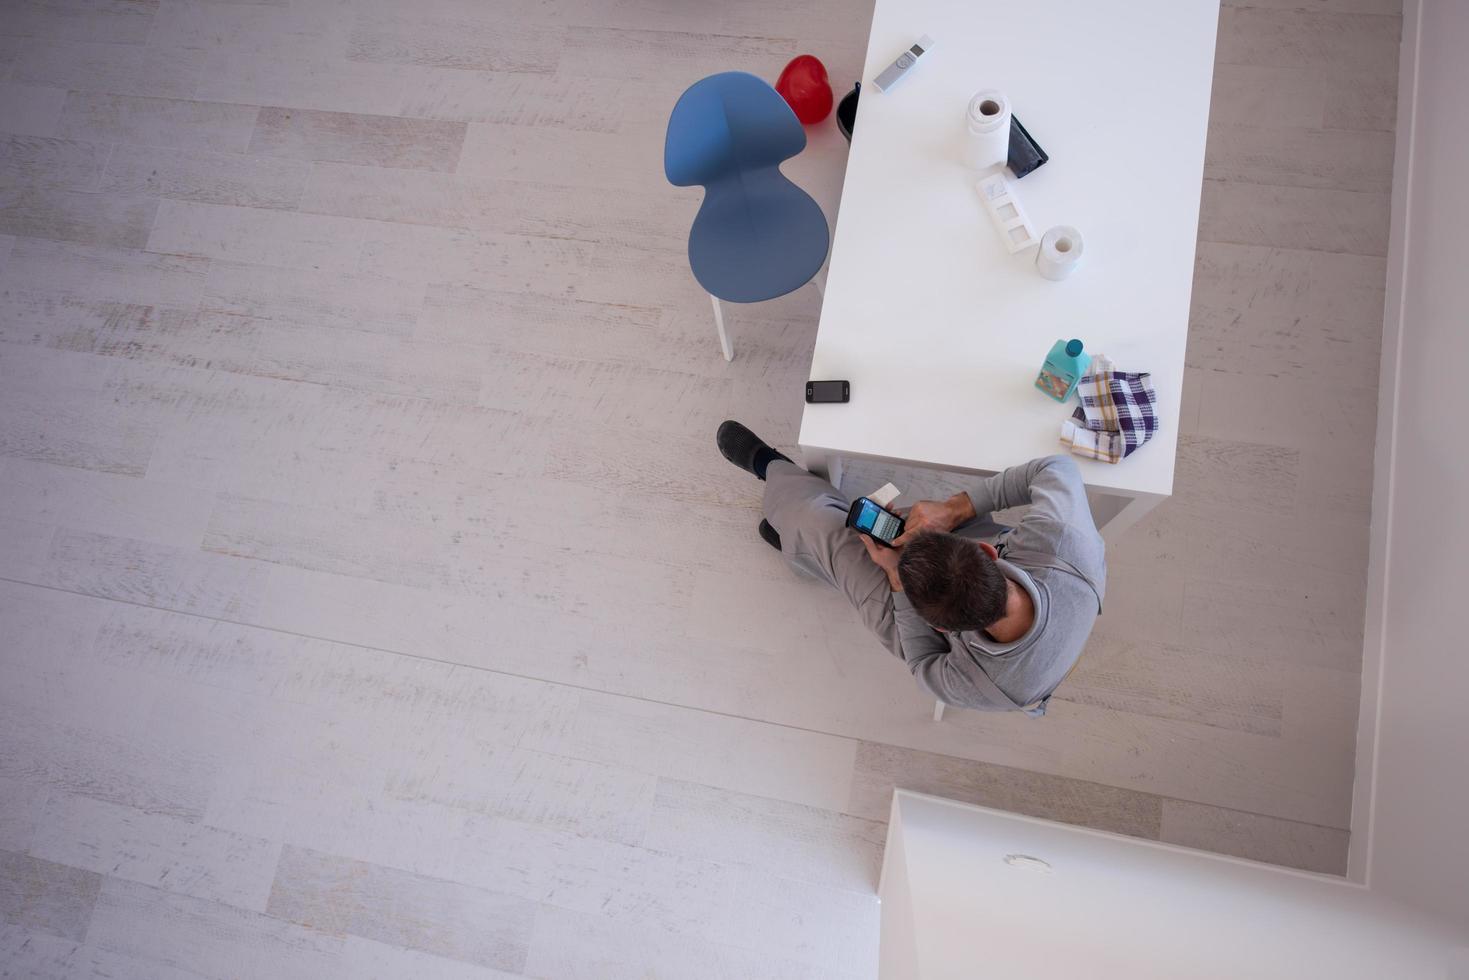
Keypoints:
pixel 992 626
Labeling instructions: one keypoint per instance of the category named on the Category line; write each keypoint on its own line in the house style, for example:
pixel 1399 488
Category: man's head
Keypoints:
pixel 953 582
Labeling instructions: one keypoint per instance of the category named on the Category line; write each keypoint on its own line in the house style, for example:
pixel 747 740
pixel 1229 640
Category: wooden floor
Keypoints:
pixel 373 601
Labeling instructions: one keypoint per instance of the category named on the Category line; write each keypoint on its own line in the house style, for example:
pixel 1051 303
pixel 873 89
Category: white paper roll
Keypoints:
pixel 987 139
pixel 1060 252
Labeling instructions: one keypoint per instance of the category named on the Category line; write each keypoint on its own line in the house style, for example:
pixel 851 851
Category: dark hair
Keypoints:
pixel 952 583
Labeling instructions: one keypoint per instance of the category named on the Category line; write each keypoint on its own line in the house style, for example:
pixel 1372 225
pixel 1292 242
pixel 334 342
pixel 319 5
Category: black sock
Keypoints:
pixel 764 456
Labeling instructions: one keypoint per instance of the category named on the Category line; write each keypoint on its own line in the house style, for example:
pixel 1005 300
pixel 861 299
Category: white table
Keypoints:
pixel 940 330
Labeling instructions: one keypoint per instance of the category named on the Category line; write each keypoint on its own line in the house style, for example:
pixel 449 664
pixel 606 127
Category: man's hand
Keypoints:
pixel 885 559
pixel 936 515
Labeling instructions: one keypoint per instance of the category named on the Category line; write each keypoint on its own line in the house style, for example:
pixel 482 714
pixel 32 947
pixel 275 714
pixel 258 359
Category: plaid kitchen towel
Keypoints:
pixel 1116 416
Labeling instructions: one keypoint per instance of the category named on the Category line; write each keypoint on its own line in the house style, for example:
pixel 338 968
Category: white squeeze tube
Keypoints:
pixel 987 141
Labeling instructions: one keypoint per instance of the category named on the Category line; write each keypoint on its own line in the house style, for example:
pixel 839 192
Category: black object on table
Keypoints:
pixel 1025 153
pixel 847 111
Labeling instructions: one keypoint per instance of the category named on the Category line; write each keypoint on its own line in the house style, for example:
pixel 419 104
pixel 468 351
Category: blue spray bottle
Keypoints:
pixel 1065 366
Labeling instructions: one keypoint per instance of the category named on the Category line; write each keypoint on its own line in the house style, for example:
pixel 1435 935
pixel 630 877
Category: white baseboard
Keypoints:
pixel 1359 856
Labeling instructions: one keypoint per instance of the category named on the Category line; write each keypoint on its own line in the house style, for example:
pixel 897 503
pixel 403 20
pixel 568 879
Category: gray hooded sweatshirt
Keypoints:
pixel 1056 554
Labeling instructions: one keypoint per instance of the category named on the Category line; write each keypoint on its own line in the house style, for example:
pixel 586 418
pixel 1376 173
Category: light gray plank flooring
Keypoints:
pixel 206 176
pixel 107 67
pixel 343 137
pixel 156 850
pixel 178 123
pixel 30 110
pixel 45 896
pixel 375 604
pixel 335 895
pixel 63 164
pixel 115 21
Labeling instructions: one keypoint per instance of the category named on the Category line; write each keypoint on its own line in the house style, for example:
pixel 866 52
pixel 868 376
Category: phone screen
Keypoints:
pixel 873 520
pixel 827 391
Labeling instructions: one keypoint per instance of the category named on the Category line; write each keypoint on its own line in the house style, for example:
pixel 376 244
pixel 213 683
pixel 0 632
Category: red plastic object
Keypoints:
pixel 804 86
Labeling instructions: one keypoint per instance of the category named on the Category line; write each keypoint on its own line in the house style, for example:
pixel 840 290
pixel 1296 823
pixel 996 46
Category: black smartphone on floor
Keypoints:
pixel 878 523
pixel 828 391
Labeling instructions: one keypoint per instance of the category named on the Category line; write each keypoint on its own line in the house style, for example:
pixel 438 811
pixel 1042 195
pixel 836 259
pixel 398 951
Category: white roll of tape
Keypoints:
pixel 1060 252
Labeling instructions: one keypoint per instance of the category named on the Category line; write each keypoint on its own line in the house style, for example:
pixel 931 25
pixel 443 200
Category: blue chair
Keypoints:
pixel 757 235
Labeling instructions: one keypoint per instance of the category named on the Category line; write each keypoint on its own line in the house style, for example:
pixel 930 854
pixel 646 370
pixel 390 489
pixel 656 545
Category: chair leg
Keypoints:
pixel 724 343
pixel 938 710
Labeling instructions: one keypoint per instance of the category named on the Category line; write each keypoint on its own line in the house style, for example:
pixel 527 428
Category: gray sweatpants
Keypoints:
pixel 811 516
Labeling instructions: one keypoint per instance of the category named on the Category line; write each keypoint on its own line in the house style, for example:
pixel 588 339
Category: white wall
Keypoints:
pixel 1115 907
pixel 1411 819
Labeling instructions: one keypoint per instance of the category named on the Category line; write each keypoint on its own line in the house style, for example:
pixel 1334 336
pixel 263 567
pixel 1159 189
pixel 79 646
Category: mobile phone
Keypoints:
pixel 878 523
pixel 828 391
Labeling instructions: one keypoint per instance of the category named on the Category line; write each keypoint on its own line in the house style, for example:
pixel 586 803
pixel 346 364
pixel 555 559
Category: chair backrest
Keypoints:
pixel 728 123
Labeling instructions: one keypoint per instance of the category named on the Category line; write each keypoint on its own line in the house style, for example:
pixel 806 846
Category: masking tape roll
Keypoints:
pixel 1060 252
